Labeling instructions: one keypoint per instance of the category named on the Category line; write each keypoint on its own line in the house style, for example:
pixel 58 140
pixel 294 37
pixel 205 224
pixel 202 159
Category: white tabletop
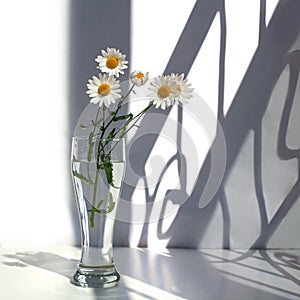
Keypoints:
pixel 44 273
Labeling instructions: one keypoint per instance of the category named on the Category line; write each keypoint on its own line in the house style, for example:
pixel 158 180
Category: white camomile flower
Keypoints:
pixel 139 78
pixel 103 89
pixel 164 89
pixel 183 88
pixel 112 61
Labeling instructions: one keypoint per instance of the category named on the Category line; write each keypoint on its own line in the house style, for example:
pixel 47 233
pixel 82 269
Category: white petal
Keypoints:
pixel 95 100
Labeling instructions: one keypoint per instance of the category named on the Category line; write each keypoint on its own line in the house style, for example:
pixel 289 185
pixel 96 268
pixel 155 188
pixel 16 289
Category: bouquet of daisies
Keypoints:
pixel 104 91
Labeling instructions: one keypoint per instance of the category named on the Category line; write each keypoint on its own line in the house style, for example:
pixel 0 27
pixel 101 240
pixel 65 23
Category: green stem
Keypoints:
pixel 91 143
pixel 96 121
pixel 97 169
pixel 123 98
pixel 101 146
pixel 117 110
pixel 94 198
pixel 137 117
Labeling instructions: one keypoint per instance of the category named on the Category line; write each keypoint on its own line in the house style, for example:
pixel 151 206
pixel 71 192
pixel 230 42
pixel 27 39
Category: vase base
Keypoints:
pixel 96 278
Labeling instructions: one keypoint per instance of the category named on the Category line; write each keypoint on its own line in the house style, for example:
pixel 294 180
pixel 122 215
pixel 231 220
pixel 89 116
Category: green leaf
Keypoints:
pixel 106 165
pixel 85 126
pixel 123 117
pixel 91 137
pixel 96 124
pixel 111 136
pixel 92 220
pixel 108 171
pixel 91 145
pixel 94 210
pixel 81 177
pixel 111 203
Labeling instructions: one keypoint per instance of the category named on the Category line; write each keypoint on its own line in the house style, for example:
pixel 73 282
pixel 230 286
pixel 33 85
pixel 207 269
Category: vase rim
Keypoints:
pixel 84 137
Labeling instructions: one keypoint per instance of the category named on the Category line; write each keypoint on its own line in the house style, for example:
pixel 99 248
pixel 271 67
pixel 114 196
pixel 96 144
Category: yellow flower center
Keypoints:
pixel 164 91
pixel 104 89
pixel 139 75
pixel 112 62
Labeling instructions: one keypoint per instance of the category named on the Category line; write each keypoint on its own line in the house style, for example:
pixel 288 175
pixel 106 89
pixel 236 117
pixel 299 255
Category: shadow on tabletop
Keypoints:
pixel 181 273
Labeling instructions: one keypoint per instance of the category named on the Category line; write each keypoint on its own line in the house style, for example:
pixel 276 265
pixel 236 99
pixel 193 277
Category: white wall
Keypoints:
pixel 35 179
pixel 33 121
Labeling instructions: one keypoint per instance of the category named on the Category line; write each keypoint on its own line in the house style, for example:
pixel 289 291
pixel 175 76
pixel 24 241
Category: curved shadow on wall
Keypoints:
pixel 89 32
pixel 181 61
pixel 285 152
pixel 245 114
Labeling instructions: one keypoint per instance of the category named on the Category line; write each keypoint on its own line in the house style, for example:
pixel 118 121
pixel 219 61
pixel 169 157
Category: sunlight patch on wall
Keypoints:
pixel 270 8
pixel 156 27
pixel 154 242
pixel 242 19
pixel 204 74
pixel 35 166
pixel 138 212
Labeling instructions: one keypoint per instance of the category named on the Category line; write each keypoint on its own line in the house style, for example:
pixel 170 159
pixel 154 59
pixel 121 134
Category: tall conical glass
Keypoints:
pixel 98 168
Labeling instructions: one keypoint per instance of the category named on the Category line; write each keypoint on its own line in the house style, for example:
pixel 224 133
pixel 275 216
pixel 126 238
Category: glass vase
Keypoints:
pixel 98 168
